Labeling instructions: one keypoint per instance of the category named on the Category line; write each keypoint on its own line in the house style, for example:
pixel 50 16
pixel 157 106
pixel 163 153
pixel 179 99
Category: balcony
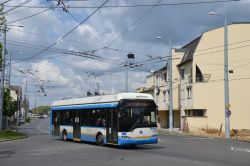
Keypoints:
pixel 202 77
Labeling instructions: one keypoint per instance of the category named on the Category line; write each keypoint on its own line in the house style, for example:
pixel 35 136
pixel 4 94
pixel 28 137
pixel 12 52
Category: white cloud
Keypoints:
pixel 49 71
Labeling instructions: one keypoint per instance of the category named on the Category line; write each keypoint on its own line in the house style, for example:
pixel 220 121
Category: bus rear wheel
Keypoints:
pixel 99 139
pixel 64 136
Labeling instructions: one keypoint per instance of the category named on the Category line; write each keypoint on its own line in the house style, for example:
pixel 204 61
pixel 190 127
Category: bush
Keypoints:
pixel 28 120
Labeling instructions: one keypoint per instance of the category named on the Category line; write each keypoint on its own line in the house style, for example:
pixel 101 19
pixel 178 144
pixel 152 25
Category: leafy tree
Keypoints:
pixel 9 104
pixel 41 110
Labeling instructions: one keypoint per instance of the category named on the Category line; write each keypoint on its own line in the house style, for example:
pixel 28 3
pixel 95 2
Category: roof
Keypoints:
pixel 102 99
pixel 190 49
pixel 191 46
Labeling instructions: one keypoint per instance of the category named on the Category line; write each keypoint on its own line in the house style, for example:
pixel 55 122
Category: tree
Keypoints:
pixel 41 110
pixel 9 104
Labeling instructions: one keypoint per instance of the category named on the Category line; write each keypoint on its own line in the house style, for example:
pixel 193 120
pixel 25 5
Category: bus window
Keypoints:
pixel 66 118
pixel 84 115
pixel 135 115
pixel 101 120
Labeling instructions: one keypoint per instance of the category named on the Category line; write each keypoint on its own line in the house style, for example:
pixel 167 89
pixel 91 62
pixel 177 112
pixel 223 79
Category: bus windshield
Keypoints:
pixel 137 114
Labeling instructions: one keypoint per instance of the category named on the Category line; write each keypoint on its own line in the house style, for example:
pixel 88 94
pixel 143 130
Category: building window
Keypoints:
pixel 157 81
pixel 165 77
pixel 189 92
pixel 168 94
pixel 182 73
pixel 195 113
pixel 164 96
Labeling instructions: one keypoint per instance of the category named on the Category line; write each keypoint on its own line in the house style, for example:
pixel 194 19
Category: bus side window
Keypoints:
pixel 84 117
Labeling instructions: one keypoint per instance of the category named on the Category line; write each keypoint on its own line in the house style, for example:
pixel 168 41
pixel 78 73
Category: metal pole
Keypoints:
pixel 155 87
pixel 9 71
pixel 26 109
pixel 127 76
pixel 88 83
pixel 170 88
pixel 19 100
pixel 112 88
pixel 35 104
pixel 226 86
pixel 2 76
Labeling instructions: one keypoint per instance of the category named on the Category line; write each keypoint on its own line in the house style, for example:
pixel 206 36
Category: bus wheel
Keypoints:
pixel 99 139
pixel 64 136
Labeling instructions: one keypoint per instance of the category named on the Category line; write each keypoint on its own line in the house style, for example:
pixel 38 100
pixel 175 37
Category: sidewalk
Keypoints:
pixel 176 131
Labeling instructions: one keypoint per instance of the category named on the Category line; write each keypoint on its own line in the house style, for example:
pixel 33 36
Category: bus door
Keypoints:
pixel 76 126
pixel 112 126
pixel 56 116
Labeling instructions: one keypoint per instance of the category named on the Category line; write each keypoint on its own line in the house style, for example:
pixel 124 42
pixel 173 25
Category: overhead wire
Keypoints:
pixel 94 36
pixel 135 23
pixel 30 16
pixel 45 36
pixel 85 19
pixel 140 5
pixel 21 10
pixel 5 2
pixel 17 6
pixel 85 54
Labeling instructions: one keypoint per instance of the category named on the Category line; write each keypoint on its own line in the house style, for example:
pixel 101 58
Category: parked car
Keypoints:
pixel 40 116
pixel 21 121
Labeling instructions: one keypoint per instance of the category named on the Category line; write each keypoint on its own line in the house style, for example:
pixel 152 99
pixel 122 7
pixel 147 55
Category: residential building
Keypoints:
pixel 14 93
pixel 198 81
pixel 158 86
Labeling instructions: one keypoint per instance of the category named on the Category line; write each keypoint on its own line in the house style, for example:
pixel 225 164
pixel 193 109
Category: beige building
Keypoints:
pixel 198 81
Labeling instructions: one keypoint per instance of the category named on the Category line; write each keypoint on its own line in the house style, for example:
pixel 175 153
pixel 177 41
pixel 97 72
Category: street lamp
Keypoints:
pixel 129 56
pixel 226 85
pixel 169 64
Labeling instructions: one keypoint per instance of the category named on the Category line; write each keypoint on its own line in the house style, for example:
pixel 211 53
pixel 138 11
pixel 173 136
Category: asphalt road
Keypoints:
pixel 41 149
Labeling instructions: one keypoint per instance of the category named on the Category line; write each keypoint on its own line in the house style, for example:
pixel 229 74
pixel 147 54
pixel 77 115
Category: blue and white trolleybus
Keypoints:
pixel 119 119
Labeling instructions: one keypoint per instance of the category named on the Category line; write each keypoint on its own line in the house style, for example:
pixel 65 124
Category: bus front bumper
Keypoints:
pixel 137 141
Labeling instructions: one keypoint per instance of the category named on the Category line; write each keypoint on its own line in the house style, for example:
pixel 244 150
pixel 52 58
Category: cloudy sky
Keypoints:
pixel 66 58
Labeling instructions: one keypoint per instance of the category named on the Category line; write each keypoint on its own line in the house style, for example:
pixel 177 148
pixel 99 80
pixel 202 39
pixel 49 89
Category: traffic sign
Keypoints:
pixel 228 113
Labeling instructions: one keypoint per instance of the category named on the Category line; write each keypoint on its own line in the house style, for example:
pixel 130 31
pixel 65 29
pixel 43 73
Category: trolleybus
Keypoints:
pixel 119 119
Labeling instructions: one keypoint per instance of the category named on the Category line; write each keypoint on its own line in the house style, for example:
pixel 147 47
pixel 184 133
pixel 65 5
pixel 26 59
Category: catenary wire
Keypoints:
pixel 85 19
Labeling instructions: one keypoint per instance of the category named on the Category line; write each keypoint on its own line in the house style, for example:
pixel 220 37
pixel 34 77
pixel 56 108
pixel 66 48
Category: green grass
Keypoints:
pixel 8 134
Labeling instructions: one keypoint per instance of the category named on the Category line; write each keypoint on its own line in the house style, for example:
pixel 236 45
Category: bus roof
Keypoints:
pixel 102 99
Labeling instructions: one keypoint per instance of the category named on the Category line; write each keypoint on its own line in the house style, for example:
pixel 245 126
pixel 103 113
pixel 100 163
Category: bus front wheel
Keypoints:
pixel 99 139
pixel 64 136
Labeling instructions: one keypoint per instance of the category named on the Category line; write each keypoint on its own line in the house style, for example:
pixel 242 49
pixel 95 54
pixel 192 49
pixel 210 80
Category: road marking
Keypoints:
pixel 42 129
pixel 240 149
pixel 199 138
pixel 160 140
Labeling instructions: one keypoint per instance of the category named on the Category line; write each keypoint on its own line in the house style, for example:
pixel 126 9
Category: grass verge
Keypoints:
pixel 7 135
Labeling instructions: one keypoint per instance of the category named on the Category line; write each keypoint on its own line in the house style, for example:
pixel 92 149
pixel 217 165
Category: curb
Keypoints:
pixel 202 136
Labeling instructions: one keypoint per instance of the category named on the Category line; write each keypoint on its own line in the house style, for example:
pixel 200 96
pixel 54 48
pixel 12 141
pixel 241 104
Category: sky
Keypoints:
pixel 56 53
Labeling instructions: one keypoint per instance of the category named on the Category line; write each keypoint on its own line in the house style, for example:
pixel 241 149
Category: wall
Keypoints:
pixel 210 59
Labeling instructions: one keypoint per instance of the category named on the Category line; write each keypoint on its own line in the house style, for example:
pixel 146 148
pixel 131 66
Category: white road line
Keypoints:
pixel 240 149
pixel 42 129
pixel 160 140
pixel 199 138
